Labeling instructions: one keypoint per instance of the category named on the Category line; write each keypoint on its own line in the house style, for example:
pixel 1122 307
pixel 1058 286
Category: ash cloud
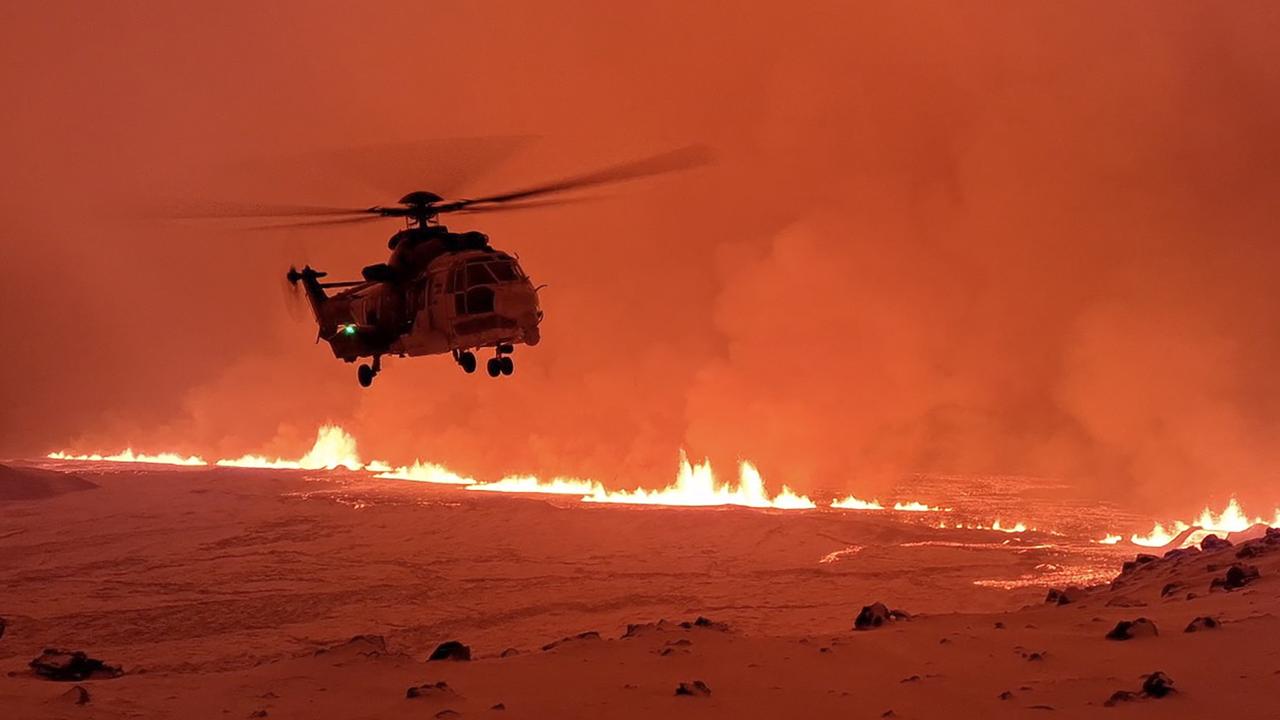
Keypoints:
pixel 1021 239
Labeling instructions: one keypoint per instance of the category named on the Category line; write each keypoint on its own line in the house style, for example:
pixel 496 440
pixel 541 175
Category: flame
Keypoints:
pixel 850 502
pixel 914 506
pixel 1109 540
pixel 1231 519
pixel 129 456
pixel 696 485
pixel 421 472
pixel 531 484
pixel 333 448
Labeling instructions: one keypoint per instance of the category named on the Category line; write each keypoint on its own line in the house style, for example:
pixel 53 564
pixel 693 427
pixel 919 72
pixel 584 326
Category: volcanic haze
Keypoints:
pixel 1030 238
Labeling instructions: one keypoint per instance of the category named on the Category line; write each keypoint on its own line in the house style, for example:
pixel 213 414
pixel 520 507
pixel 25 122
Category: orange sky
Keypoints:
pixel 1030 237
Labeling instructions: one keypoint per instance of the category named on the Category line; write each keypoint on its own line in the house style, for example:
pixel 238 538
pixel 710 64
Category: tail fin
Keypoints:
pixel 310 280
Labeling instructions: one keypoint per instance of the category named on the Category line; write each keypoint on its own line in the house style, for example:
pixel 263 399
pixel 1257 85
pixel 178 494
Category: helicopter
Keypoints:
pixel 439 291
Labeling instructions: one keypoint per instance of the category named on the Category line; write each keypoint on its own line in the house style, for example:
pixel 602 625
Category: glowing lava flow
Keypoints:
pixel 421 472
pixel 917 507
pixel 129 456
pixel 531 484
pixel 1017 527
pixel 1232 519
pixel 696 486
pixel 850 502
pixel 333 448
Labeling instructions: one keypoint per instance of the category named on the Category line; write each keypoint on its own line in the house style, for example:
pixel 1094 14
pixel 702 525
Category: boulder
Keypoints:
pixel 876 614
pixel 1170 589
pixel 69 666
pixel 1138 561
pixel 1202 623
pixel 77 695
pixel 1120 696
pixel 451 650
pixel 697 688
pixel 430 691
pixel 1157 685
pixel 1236 577
pixel 1061 597
pixel 1213 542
pixel 1131 629
pixel 1251 550
pixel 702 622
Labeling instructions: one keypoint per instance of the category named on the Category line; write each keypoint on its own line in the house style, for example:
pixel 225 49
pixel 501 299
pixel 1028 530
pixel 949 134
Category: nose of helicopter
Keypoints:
pixel 519 302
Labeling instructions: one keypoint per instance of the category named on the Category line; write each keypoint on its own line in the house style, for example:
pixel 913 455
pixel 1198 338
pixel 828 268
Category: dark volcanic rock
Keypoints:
pixel 876 614
pixel 1120 696
pixel 1170 589
pixel 509 652
pixel 3 624
pixel 1139 561
pixel 1179 553
pixel 68 665
pixel 1237 576
pixel 1213 542
pixel 1203 622
pixel 697 688
pixel 451 650
pixel 430 690
pixel 1157 685
pixel 1251 550
pixel 702 622
pixel 76 696
pixel 589 635
pixel 1062 597
pixel 1130 629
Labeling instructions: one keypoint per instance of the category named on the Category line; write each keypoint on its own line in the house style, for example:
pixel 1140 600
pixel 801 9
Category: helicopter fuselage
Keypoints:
pixel 439 293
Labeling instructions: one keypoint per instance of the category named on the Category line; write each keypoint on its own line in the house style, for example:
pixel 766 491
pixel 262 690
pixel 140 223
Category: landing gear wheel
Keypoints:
pixel 506 366
pixel 365 375
pixel 468 361
pixel 494 366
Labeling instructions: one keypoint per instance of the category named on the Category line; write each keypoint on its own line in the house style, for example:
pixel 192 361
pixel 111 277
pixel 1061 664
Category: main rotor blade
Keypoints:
pixel 316 223
pixel 215 210
pixel 533 205
pixel 682 159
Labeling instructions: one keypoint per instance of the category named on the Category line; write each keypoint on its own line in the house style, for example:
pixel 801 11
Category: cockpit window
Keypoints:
pixel 478 275
pixel 503 271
